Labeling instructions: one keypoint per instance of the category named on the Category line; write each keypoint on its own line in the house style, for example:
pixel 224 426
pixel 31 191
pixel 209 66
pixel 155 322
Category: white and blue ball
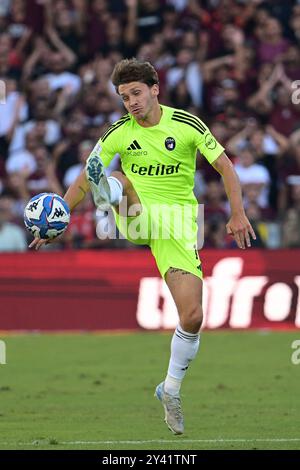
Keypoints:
pixel 46 215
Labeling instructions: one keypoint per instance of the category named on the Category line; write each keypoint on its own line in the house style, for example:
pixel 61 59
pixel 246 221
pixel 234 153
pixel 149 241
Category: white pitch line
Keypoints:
pixel 161 441
pixel 154 441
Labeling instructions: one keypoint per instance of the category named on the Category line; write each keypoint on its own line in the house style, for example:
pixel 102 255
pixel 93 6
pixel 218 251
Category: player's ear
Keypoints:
pixel 155 90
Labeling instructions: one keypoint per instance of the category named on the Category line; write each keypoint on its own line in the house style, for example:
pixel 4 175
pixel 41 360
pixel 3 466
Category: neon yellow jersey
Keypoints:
pixel 160 160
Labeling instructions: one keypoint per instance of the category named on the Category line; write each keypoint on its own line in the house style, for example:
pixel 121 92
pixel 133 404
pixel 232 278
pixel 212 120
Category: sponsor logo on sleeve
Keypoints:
pixel 210 142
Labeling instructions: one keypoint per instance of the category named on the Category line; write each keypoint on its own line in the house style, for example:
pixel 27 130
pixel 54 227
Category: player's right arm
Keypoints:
pixel 77 191
pixel 74 195
pixel 106 148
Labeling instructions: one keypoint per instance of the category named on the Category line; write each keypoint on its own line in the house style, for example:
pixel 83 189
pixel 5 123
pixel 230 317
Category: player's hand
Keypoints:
pixel 37 243
pixel 240 228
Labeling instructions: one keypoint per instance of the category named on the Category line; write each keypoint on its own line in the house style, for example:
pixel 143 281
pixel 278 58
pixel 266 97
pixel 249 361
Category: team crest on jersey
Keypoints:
pixel 210 142
pixel 170 143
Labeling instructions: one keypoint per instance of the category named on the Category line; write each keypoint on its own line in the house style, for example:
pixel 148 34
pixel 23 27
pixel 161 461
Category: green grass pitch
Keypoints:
pixel 96 392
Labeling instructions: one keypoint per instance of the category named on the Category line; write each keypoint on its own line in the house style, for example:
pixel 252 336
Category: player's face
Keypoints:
pixel 138 98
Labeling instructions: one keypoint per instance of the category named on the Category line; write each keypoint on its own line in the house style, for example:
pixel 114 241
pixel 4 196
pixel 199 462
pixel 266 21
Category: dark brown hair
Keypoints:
pixel 133 70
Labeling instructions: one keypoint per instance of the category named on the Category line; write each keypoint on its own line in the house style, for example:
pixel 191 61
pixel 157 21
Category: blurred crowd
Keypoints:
pixel 233 63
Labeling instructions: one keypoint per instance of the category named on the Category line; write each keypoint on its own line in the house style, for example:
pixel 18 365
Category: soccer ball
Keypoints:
pixel 46 215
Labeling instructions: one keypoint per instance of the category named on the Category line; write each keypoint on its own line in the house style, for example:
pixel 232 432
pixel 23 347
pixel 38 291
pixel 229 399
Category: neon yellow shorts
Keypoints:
pixel 171 233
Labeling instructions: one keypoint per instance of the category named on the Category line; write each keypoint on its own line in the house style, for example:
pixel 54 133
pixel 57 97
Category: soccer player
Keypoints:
pixel 158 145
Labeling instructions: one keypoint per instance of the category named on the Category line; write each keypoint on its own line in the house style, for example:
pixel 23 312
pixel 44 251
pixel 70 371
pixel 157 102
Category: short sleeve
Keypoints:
pixel 209 147
pixel 105 151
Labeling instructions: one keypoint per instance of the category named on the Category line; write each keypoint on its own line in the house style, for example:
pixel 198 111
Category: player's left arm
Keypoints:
pixel 238 225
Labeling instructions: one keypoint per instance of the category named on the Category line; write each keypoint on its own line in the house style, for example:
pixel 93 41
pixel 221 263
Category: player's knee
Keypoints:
pixel 132 199
pixel 192 320
pixel 122 178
